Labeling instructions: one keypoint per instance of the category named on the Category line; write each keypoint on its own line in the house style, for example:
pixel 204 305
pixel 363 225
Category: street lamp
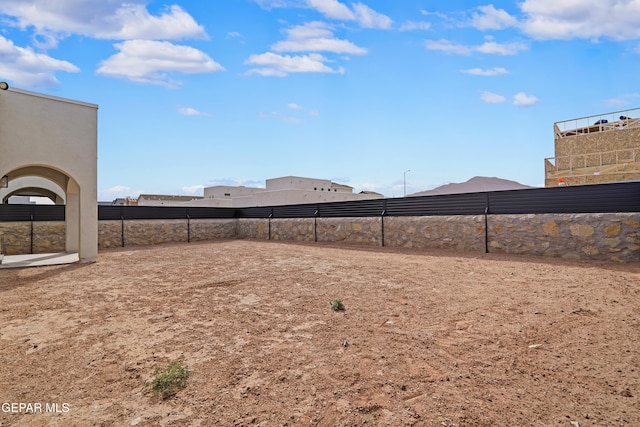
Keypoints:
pixel 405 182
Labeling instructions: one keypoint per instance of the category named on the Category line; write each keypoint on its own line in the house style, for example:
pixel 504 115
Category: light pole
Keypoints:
pixel 405 182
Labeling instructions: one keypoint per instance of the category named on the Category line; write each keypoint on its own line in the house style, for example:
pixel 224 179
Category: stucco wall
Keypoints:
pixel 613 237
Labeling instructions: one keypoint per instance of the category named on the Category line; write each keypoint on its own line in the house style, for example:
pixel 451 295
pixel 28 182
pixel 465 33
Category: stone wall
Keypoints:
pixel 299 229
pixel 48 236
pixel 153 232
pixel 367 231
pixel 611 236
pixel 457 232
pixel 253 228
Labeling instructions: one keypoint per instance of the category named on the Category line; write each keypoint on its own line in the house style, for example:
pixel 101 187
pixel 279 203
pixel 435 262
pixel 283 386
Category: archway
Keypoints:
pixel 33 186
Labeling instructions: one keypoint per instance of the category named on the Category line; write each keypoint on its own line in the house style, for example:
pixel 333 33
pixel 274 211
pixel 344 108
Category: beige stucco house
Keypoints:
pixel 165 200
pixel 49 139
pixel 286 190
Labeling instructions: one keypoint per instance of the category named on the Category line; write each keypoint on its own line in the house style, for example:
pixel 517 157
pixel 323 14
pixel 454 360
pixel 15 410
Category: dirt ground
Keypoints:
pixel 427 338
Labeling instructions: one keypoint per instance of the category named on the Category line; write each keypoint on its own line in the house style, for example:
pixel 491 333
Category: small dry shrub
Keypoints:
pixel 167 381
pixel 337 305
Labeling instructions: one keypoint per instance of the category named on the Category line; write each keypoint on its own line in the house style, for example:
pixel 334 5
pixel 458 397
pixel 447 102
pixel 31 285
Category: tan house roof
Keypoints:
pixel 163 197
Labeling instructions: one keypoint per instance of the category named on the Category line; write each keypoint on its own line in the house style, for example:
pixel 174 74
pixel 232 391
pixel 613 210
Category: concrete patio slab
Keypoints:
pixel 37 260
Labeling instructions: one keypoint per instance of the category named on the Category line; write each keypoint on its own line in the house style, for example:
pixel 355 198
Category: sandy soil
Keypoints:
pixel 427 339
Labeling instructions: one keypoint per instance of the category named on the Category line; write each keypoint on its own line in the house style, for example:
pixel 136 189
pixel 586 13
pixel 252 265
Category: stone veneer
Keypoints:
pixel 610 236
pixel 48 236
pixel 153 231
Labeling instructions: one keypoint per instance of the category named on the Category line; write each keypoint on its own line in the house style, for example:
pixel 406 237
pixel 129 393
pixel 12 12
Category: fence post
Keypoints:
pixel 188 228
pixel 315 226
pixel 486 225
pixel 382 227
pixel 31 217
pixel 269 225
pixel 122 230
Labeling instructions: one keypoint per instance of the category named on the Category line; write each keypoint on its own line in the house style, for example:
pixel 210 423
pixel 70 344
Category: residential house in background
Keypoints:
pixel 595 149
pixel 287 190
pixel 166 200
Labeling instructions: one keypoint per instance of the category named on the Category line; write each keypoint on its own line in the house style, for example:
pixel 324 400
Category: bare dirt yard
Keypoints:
pixel 427 339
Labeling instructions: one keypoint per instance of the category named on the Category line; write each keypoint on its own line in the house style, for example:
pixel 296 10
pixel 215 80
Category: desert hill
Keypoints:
pixel 476 184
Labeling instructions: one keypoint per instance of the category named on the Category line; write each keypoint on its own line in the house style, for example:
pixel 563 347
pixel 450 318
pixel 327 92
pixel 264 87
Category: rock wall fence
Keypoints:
pixel 599 236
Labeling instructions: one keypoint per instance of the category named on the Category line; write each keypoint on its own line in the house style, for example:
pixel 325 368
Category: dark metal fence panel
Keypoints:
pixel 211 213
pixel 254 212
pixel 597 198
pixel 162 212
pixel 48 212
pixel 445 204
pixel 295 211
pixel 356 208
pixel 15 213
pixel 12 213
pixel 109 212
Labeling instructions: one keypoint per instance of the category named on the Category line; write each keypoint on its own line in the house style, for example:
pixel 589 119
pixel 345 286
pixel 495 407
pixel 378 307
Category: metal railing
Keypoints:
pixel 616 120
pixel 600 163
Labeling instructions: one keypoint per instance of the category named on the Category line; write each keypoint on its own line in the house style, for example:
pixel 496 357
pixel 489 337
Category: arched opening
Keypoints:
pixel 20 179
pixel 33 186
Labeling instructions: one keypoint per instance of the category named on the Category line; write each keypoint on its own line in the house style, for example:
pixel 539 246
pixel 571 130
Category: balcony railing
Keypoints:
pixel 616 120
pixel 602 163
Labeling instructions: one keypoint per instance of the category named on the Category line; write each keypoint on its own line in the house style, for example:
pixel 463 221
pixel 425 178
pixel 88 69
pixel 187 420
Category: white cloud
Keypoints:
pixel 24 67
pixel 491 18
pixel 148 61
pixel 192 189
pixel 188 111
pixel 521 99
pixel 272 64
pixel 616 102
pixel 488 47
pixel 591 19
pixel 106 19
pixel 622 100
pixel 315 37
pixel 369 18
pixel 411 25
pixel 309 111
pixel 272 4
pixel 496 71
pixel 118 191
pixel 492 98
pixel 447 46
pixel 332 9
pixel 280 116
pixel 493 48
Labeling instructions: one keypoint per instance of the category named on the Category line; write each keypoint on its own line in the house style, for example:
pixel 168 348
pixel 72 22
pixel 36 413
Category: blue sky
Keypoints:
pixel 197 93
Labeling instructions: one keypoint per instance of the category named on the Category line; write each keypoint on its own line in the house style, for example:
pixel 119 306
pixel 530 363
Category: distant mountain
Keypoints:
pixel 477 184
